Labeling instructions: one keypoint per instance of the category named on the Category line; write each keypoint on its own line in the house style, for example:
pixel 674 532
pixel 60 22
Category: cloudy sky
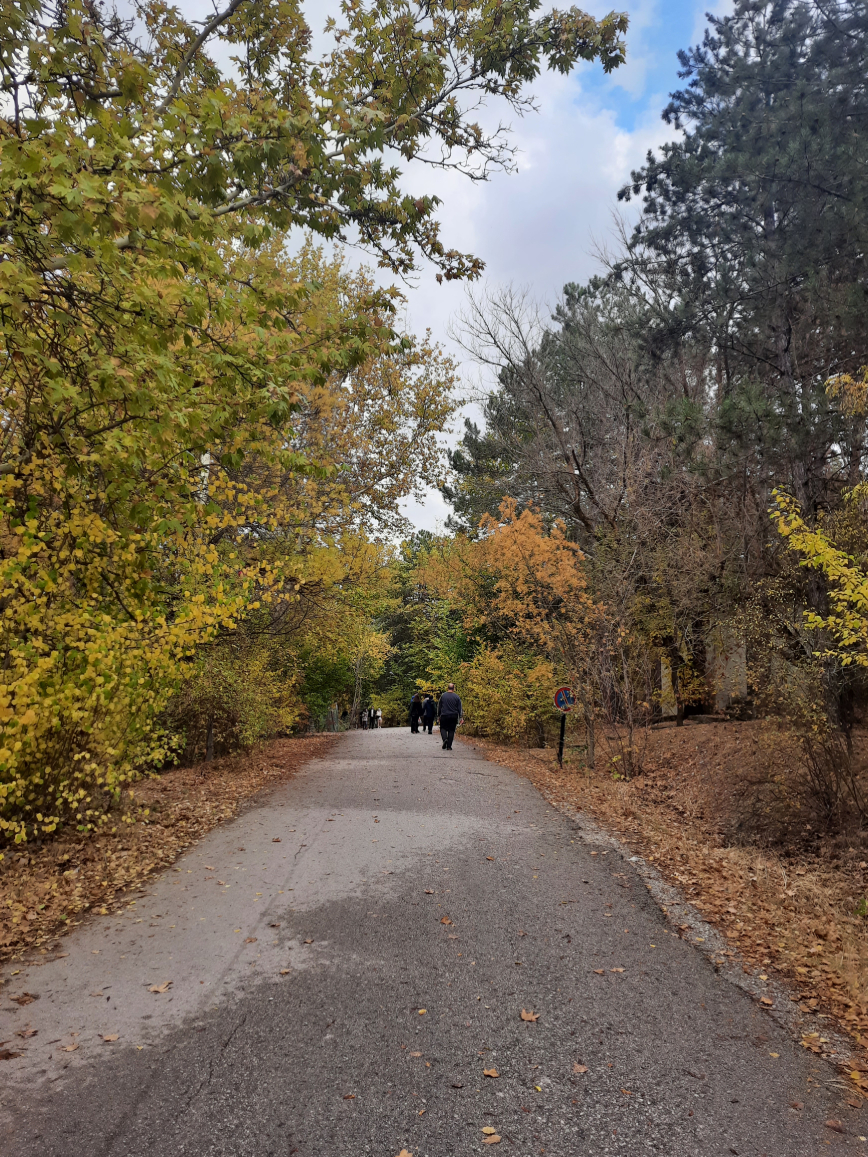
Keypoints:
pixel 539 227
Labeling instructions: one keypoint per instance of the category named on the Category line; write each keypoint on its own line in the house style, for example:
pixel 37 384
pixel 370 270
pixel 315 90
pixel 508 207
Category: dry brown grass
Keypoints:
pixel 46 889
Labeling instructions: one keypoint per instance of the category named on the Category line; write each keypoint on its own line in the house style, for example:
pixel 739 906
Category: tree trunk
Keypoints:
pixel 209 741
pixel 674 665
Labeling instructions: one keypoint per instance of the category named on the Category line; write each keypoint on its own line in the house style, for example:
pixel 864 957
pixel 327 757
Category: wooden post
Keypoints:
pixel 561 744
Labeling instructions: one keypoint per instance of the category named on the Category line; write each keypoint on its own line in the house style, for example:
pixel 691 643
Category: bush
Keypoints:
pixel 506 694
pixel 237 696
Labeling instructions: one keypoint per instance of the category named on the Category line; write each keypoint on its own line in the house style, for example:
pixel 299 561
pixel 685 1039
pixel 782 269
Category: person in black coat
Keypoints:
pixel 429 713
pixel 415 713
pixel 450 713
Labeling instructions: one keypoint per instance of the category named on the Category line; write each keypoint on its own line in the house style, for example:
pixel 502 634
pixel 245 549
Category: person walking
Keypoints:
pixel 415 713
pixel 450 714
pixel 429 711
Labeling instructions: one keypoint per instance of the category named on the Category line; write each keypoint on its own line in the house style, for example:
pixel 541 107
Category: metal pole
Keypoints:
pixel 561 744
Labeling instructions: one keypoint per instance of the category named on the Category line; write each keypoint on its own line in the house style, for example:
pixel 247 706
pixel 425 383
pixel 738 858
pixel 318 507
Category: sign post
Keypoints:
pixel 564 701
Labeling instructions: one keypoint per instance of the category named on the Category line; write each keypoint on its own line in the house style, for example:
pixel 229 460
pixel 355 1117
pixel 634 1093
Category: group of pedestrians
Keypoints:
pixel 424 711
pixel 447 710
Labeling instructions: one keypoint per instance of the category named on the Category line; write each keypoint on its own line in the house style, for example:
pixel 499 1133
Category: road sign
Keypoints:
pixel 564 699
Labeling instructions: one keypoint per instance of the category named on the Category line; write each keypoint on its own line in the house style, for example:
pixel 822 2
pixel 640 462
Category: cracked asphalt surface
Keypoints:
pixel 348 957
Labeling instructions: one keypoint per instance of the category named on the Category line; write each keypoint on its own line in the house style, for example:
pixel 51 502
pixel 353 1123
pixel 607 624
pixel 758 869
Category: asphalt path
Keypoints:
pixel 337 968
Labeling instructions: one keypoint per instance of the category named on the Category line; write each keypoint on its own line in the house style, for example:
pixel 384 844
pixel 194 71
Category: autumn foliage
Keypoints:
pixel 203 436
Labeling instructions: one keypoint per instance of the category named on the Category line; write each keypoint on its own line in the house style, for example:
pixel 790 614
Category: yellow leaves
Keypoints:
pixel 851 391
pixel 848 622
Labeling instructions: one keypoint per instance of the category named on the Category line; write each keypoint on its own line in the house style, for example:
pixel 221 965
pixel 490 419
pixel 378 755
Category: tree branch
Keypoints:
pixel 210 27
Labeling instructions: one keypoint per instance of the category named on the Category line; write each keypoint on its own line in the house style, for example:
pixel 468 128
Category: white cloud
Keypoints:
pixel 540 226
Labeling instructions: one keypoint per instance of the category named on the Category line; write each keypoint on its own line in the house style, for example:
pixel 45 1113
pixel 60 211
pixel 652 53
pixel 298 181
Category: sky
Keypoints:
pixel 541 226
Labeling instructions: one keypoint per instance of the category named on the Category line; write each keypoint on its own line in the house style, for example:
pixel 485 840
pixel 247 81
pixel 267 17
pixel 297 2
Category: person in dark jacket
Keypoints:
pixel 415 713
pixel 450 714
pixel 429 713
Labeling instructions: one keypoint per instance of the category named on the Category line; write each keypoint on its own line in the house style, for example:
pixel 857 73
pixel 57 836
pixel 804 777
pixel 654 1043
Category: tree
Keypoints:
pixel 752 236
pixel 660 406
pixel 152 350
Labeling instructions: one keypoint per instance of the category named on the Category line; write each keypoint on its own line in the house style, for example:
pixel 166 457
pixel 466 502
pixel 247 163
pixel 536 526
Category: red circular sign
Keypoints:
pixel 565 700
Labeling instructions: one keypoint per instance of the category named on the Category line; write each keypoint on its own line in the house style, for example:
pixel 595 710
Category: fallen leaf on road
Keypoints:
pixel 422 1011
pixel 580 1068
pixel 209 867
pixel 285 971
pixel 404 1153
pixel 616 969
pixel 488 1131
pixel 493 1140
pixel 9 1055
pixel 97 994
pixel 274 925
pixel 429 891
pixel 445 920
pixel 525 1015
pixel 600 971
pixel 415 1054
pixel 775 1055
pixel 25 998
pixel 250 940
pixel 349 1096
pixel 626 1092
pixel 457 1084
pixel 521 933
pixel 111 1037
pixel 836 1125
pixel 767 1001
pixel 490 1073
pixel 164 987
pixel 489 857
pixel 24 1033
pixel 276 840
pixel 69 1048
pixel 308 941
pixel 797 1105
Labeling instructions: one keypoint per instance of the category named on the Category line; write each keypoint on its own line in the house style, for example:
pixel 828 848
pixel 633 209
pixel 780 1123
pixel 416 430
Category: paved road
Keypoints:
pixel 341 992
